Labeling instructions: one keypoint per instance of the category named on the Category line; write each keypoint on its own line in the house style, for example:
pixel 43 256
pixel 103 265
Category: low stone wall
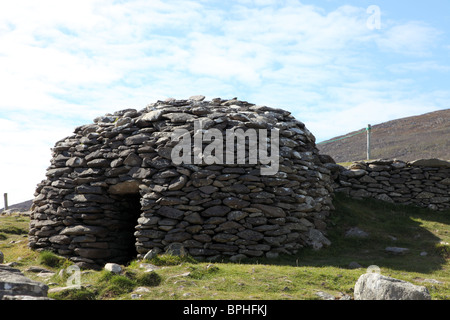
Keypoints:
pixel 425 183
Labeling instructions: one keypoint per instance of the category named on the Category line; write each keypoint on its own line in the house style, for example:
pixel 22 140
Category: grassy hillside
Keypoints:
pixel 411 138
pixel 20 207
pixel 305 276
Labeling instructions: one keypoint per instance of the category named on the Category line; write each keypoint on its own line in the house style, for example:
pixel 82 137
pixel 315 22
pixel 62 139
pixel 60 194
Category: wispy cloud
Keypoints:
pixel 64 63
pixel 419 66
pixel 413 38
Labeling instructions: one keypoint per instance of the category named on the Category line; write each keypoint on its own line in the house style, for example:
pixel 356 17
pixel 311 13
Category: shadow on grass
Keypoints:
pixel 388 225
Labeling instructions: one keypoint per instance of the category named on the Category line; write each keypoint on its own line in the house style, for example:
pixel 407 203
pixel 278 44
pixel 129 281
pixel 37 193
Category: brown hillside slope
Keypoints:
pixel 411 138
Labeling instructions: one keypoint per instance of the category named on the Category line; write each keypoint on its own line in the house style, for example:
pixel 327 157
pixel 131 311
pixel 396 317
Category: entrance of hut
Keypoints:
pixel 129 212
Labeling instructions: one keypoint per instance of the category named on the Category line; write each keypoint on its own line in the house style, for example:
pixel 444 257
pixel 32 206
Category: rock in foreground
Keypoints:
pixel 374 286
pixel 15 286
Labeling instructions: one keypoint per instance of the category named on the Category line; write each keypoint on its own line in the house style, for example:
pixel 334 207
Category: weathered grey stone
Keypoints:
pixel 229 226
pixel 152 253
pixel 84 230
pixel 126 187
pixel 216 211
pixel 440 200
pixel 98 163
pixel 422 182
pixel 360 193
pixel 425 195
pixel 354 265
pixel 396 250
pixel 356 232
pixel 325 295
pixel 113 267
pixel 354 173
pixel 430 163
pixel 178 183
pixel 270 211
pixel 37 269
pixel 176 249
pixel 236 203
pixel 197 98
pixel 250 235
pixel 317 240
pixel 367 179
pixel 140 173
pixel 180 117
pixel 384 197
pixel 225 237
pixel 136 139
pixel 13 284
pixel 24 297
pixel 237 215
pixel 84 198
pixel 133 160
pixel 170 212
pixel 154 115
pixel 60 239
pixel 92 253
pixel 76 162
pixel 194 218
pixel 374 286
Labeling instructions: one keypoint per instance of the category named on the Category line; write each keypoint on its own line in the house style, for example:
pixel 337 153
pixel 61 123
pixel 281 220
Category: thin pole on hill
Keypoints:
pixel 369 128
pixel 5 196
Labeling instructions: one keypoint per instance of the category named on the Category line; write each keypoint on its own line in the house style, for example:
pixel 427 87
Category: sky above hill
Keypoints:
pixel 336 65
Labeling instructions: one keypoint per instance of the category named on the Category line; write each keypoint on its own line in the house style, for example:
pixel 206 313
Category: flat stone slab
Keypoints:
pixel 430 163
pixel 396 250
pixel 356 233
pixel 23 297
pixel 14 283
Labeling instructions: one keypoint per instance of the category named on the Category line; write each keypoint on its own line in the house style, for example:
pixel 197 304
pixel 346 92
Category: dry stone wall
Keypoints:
pixel 424 183
pixel 113 193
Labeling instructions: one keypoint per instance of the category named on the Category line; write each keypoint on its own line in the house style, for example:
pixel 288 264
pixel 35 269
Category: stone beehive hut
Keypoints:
pixel 113 191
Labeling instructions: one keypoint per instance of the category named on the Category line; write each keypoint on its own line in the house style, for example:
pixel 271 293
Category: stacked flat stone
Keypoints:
pixel 81 210
pixel 424 182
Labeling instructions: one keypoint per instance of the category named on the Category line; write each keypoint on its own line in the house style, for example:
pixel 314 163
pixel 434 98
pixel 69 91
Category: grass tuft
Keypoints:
pixel 50 259
pixel 167 259
pixel 148 279
pixel 203 271
pixel 74 294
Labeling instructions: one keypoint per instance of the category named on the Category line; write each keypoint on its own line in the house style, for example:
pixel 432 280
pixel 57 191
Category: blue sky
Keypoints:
pixel 63 63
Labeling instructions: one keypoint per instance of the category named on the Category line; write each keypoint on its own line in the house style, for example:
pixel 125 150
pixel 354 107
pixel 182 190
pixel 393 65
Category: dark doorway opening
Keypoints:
pixel 125 242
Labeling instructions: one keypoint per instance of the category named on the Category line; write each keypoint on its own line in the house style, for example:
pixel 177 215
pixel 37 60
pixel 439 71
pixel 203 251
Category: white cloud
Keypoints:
pixel 65 62
pixel 25 143
pixel 419 66
pixel 411 38
pixel 368 107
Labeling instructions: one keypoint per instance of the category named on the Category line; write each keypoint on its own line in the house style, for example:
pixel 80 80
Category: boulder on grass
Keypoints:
pixel 374 286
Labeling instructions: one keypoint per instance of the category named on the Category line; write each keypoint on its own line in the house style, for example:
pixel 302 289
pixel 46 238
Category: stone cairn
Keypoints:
pixel 423 183
pixel 112 192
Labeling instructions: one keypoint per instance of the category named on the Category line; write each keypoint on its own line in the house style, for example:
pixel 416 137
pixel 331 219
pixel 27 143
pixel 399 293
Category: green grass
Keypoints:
pixel 78 294
pixel 50 259
pixel 297 277
pixel 170 260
